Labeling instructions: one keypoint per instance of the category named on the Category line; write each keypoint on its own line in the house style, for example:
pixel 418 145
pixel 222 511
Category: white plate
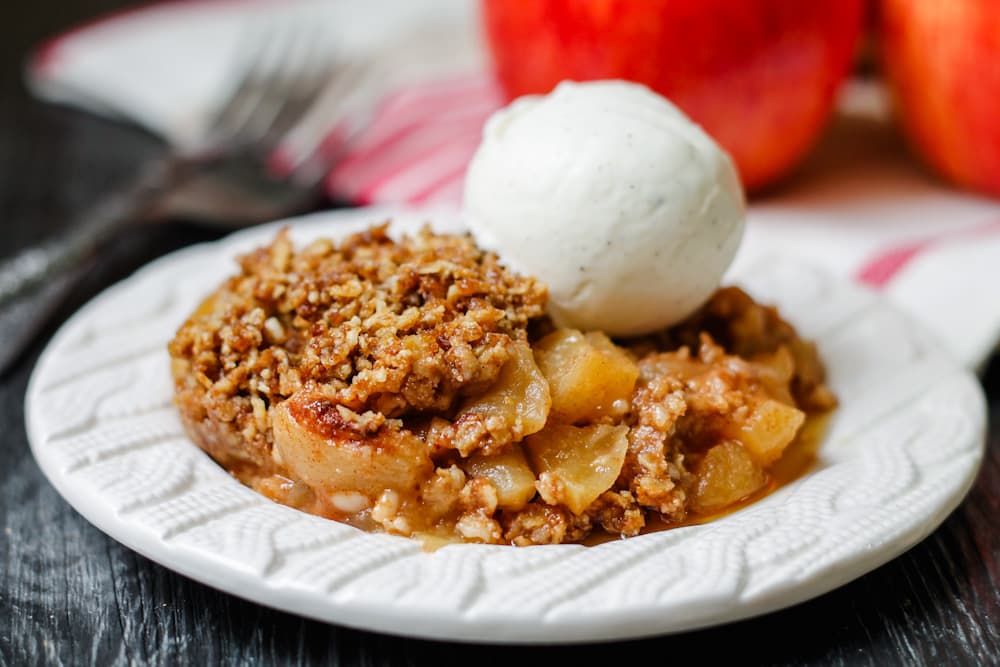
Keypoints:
pixel 901 452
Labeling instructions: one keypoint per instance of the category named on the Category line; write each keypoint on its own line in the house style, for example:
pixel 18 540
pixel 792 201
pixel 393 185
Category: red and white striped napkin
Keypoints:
pixel 860 207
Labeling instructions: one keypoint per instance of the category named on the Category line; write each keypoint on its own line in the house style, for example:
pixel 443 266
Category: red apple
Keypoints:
pixel 942 58
pixel 759 75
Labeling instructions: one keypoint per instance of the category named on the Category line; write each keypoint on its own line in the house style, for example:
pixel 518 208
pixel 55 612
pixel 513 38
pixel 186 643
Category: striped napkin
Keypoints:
pixel 860 207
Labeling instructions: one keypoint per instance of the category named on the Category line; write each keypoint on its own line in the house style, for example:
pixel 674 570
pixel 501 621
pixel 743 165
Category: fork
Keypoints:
pixel 225 179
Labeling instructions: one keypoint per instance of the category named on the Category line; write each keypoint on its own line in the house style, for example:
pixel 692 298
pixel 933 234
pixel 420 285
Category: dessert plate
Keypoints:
pixel 900 453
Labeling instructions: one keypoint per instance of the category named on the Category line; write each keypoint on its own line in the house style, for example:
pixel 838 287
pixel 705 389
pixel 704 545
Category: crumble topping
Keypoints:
pixel 377 328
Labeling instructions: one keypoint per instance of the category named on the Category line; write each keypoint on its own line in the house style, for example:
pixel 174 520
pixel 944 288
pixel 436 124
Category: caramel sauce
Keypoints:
pixel 799 458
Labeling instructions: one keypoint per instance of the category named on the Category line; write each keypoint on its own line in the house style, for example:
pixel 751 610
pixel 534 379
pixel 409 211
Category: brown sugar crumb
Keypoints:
pixel 618 512
pixel 539 523
pixel 373 325
pixel 415 386
pixel 749 330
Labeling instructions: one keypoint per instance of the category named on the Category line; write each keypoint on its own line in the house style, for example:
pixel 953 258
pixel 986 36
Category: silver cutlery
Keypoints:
pixel 281 74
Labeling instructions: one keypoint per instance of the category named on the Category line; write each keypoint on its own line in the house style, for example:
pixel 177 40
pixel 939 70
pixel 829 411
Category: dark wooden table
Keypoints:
pixel 70 595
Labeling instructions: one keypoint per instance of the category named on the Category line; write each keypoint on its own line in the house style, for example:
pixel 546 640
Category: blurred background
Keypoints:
pixel 763 77
pixel 864 131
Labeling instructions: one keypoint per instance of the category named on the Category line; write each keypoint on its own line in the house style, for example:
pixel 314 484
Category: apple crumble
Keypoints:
pixel 417 387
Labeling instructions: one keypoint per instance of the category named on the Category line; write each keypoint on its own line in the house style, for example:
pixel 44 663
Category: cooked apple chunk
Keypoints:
pixel 516 405
pixel 509 472
pixel 726 475
pixel 587 374
pixel 770 427
pixel 332 449
pixel 577 464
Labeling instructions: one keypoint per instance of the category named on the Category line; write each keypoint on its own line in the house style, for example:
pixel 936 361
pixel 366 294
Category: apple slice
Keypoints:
pixel 587 374
pixel 509 472
pixel 323 446
pixel 519 397
pixel 770 428
pixel 577 464
pixel 726 475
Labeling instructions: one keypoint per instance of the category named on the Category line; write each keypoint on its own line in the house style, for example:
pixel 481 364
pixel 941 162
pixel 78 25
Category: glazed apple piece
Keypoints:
pixel 770 427
pixel 518 402
pixel 577 464
pixel 321 445
pixel 726 475
pixel 510 474
pixel 587 374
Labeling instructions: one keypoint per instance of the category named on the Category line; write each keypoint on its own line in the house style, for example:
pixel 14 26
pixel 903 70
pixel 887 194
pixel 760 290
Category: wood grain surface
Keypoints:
pixel 71 596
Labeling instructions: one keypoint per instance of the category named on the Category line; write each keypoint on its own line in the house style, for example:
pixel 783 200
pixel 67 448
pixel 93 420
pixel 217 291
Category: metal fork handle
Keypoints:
pixel 35 282
pixel 23 272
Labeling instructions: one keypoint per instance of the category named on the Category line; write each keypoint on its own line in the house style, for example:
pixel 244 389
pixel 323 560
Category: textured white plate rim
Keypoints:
pixel 598 624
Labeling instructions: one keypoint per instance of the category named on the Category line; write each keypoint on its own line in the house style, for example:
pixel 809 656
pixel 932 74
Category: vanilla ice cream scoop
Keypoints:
pixel 610 195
